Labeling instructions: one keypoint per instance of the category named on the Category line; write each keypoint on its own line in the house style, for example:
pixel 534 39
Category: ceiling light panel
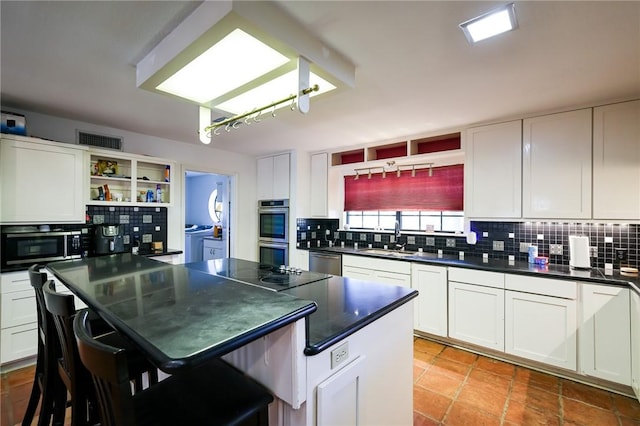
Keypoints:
pixel 490 24
pixel 222 66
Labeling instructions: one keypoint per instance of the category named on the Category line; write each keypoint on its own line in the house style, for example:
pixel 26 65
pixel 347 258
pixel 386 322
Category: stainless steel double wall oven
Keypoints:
pixel 273 232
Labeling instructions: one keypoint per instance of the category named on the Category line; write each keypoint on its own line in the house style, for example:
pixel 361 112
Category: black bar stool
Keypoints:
pixel 74 377
pixel 48 352
pixel 212 394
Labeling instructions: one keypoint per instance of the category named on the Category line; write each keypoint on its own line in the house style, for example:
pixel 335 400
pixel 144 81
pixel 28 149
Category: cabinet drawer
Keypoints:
pixel 544 286
pixel 377 264
pixel 18 342
pixel 472 276
pixel 15 281
pixel 18 308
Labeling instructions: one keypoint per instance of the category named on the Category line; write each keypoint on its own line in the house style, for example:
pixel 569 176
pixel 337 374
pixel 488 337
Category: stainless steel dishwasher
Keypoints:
pixel 328 263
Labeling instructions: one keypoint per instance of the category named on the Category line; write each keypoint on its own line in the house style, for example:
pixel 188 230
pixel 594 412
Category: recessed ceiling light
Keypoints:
pixel 497 21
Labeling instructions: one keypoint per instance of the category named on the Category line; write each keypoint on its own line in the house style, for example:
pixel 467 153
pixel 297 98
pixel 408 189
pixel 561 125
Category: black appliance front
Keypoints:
pixel 274 254
pixel 108 239
pixel 273 221
pixel 27 248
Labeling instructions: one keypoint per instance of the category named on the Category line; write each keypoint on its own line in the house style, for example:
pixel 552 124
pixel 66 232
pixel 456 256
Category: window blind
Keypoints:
pixel 441 191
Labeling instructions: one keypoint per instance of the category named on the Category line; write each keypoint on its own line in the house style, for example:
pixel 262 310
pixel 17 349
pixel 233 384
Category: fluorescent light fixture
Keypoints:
pixel 226 49
pixel 271 91
pixel 222 66
pixel 497 21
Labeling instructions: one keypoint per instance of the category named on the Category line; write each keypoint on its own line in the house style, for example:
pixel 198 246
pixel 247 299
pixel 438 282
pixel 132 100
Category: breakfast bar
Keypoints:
pixel 311 338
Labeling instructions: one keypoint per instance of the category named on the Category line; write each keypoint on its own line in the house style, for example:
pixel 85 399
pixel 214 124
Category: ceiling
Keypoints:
pixel 416 74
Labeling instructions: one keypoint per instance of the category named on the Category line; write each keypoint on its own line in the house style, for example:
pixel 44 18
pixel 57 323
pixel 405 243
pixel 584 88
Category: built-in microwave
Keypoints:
pixel 29 247
pixel 273 221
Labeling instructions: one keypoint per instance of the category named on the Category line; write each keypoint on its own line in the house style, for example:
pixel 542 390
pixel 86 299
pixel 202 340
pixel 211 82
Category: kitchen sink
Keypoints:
pixel 391 253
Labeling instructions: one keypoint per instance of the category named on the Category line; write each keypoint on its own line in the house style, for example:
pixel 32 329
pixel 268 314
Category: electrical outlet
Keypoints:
pixel 328 232
pixel 555 249
pixel 498 245
pixel 593 251
pixel 524 247
pixel 313 235
pixel 451 242
pixel 339 355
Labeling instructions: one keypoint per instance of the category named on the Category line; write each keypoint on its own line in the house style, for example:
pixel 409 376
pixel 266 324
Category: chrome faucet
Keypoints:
pixel 397 230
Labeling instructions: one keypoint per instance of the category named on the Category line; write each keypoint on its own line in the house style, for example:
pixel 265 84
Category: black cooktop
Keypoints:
pixel 254 273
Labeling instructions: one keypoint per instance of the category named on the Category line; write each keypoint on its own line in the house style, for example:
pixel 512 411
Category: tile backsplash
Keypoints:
pixel 498 240
pixel 142 224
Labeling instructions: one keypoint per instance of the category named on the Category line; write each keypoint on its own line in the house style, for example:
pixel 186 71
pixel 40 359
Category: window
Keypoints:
pixel 411 221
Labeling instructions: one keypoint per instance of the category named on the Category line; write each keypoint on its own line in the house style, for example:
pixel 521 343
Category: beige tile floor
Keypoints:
pixel 453 387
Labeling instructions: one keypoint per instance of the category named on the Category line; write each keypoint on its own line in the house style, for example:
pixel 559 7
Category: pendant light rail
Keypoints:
pixel 253 115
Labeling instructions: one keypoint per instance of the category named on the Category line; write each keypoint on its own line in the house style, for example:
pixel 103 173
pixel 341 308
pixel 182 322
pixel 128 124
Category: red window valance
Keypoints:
pixel 441 191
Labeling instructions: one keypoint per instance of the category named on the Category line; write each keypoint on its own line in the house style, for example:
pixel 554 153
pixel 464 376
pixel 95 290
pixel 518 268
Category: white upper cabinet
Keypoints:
pixel 319 182
pixel 273 177
pixel 556 165
pixel 493 171
pixel 41 181
pixel 616 161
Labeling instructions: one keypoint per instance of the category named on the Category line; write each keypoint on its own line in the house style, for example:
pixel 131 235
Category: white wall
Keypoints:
pixel 197 157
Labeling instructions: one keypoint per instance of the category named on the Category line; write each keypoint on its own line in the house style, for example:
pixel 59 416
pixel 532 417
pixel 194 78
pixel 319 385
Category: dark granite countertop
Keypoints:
pixel 346 305
pixel 597 275
pixel 178 316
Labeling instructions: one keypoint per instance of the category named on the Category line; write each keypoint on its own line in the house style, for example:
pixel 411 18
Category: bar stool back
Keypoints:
pixel 74 376
pixel 212 394
pixel 46 373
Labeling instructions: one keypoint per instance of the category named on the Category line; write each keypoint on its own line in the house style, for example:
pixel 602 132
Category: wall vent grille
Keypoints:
pixel 99 141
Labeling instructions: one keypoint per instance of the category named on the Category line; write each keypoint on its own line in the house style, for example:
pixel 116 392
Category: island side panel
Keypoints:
pixel 375 379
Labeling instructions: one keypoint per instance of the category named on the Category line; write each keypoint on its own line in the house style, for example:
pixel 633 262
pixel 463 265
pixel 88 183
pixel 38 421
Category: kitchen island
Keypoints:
pixel 324 369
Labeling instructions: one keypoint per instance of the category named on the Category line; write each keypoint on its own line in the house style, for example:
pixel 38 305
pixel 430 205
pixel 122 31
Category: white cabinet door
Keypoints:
pixel 541 328
pixel 493 169
pixel 476 314
pixel 385 271
pixel 265 178
pixel 635 342
pixel 213 249
pixel 605 327
pixel 281 176
pixel 430 308
pixel 273 177
pixel 616 161
pixel 319 182
pixel 41 182
pixel 18 342
pixel 556 166
pixel 339 397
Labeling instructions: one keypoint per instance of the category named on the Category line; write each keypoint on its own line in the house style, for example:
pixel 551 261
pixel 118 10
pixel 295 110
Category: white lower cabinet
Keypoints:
pixel 476 307
pixel 339 398
pixel 635 342
pixel 605 329
pixel 541 320
pixel 541 328
pixel 395 272
pixel 213 249
pixel 430 310
pixel 476 314
pixel 19 317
